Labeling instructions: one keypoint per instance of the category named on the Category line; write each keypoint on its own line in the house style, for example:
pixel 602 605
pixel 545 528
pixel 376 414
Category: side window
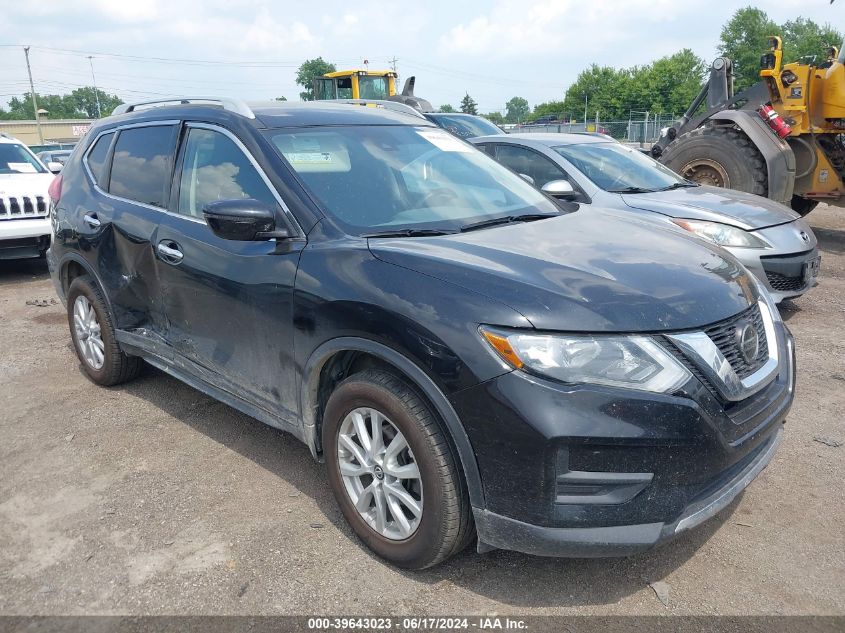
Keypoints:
pixel 214 168
pixel 96 158
pixel 530 163
pixel 141 166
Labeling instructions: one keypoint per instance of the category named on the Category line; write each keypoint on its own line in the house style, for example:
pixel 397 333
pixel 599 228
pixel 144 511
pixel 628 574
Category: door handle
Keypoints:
pixel 169 252
pixel 92 220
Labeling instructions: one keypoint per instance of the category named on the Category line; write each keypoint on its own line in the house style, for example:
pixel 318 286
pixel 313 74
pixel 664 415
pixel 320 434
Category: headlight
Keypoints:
pixel 722 234
pixel 632 362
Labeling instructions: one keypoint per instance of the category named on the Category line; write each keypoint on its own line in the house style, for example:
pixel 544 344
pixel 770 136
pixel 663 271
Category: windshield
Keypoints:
pixel 16 159
pixel 617 168
pixel 377 178
pixel 467 127
pixel 372 87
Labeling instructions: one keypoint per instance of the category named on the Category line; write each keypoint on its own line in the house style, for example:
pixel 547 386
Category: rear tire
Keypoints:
pixel 718 156
pixel 92 333
pixel 802 206
pixel 444 524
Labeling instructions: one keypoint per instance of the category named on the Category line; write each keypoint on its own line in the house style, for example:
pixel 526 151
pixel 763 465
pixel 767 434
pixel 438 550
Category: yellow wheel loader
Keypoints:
pixel 781 138
pixel 379 85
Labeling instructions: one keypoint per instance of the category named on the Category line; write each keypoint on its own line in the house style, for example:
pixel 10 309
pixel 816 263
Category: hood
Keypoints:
pixel 601 271
pixel 18 185
pixel 737 208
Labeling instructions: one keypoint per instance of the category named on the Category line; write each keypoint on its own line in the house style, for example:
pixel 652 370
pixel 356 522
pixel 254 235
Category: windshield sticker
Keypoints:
pixel 444 141
pixel 23 168
pixel 309 157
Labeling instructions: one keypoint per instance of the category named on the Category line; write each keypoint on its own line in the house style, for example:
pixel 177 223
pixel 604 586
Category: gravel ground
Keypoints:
pixel 151 498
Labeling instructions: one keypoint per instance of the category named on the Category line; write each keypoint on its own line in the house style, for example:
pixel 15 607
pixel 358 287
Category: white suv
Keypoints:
pixel 24 202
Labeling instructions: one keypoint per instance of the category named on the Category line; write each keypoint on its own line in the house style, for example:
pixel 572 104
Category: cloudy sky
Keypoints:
pixel 251 48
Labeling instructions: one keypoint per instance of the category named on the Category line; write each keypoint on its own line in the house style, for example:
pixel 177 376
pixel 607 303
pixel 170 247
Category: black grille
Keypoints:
pixel 12 208
pixel 724 335
pixel 784 283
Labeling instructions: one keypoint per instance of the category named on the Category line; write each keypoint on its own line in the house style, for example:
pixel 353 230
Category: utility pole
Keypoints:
pixel 393 63
pixel 96 92
pixel 585 111
pixel 32 94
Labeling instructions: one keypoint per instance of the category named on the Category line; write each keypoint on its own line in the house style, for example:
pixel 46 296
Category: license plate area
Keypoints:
pixel 811 268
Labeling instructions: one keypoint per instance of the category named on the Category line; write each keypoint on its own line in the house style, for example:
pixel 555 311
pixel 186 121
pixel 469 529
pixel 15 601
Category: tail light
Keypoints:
pixel 55 189
pixel 774 120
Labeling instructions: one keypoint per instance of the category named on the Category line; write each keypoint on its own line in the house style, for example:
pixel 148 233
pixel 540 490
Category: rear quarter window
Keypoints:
pixel 96 158
pixel 141 167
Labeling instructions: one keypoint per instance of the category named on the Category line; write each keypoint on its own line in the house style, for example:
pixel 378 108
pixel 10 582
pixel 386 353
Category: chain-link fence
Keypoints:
pixel 641 127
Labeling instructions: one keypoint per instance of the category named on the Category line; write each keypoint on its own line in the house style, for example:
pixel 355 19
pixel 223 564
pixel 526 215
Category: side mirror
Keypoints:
pixel 245 220
pixel 54 167
pixel 527 178
pixel 560 189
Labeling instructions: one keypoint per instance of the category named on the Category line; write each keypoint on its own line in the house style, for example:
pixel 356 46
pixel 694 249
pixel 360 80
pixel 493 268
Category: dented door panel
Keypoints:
pixel 229 311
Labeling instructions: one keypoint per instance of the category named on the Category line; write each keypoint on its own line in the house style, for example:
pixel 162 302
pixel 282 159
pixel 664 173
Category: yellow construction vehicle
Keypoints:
pixel 367 85
pixel 781 138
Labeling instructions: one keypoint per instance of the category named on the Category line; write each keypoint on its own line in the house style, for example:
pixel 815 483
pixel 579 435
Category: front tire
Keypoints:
pixel 720 157
pixel 393 471
pixel 92 332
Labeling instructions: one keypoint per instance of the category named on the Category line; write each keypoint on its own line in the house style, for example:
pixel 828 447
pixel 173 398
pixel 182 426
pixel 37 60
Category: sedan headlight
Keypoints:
pixel 631 362
pixel 722 234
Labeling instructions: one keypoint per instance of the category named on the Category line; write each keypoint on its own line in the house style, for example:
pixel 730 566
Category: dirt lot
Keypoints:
pixel 151 498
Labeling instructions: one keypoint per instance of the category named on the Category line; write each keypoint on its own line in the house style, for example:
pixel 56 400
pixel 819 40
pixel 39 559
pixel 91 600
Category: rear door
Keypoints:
pixel 228 303
pixel 131 169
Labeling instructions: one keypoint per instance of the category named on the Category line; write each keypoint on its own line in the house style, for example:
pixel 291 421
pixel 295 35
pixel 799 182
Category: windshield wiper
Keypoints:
pixel 680 185
pixel 633 190
pixel 528 217
pixel 409 233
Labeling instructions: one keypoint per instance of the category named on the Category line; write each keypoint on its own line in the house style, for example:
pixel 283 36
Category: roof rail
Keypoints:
pixel 395 106
pixel 232 105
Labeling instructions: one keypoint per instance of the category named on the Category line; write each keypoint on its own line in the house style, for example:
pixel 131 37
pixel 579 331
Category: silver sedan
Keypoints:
pixel 770 239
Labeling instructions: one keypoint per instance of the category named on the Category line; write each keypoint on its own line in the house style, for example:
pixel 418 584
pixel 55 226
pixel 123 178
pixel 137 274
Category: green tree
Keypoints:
pixel 468 105
pixel 668 84
pixel 79 104
pixel 310 70
pixel 495 117
pixel 550 107
pixel 281 99
pixel 84 102
pixel 603 89
pixel 743 40
pixel 446 108
pixel 805 38
pixel 517 110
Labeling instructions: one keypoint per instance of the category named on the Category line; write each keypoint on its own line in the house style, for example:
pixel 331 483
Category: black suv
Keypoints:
pixel 467 355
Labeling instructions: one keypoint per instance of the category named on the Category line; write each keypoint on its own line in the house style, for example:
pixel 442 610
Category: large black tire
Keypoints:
pixel 718 156
pixel 445 526
pixel 117 367
pixel 802 206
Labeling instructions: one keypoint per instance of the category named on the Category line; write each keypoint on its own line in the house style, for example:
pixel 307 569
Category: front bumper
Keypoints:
pixel 24 238
pixel 623 540
pixel 788 269
pixel 589 471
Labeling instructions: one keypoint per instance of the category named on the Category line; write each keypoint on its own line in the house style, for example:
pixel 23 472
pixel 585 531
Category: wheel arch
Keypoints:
pixel 780 160
pixel 73 266
pixel 368 353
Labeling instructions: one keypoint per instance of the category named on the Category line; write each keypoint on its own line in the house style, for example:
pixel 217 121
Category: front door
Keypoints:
pixel 228 303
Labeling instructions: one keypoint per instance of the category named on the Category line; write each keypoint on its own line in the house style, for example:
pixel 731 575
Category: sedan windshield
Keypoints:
pixel 421 180
pixel 16 159
pixel 620 169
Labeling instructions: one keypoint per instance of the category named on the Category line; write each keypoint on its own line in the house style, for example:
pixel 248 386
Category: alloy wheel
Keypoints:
pixel 380 473
pixel 89 338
